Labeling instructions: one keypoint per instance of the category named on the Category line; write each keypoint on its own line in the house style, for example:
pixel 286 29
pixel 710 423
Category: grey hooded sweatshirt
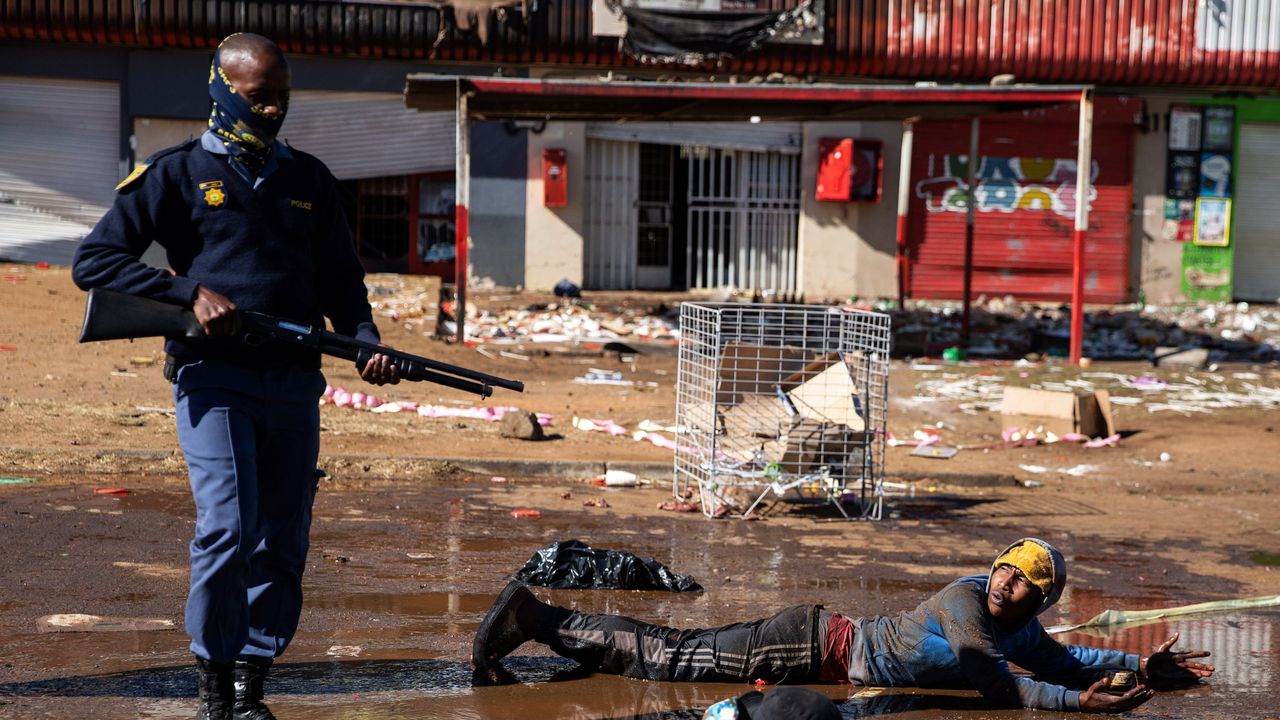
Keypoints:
pixel 951 640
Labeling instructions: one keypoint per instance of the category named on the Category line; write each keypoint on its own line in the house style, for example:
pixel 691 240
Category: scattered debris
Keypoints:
pixel 937 453
pixel 574 564
pixel 359 401
pixel 1006 327
pixel 344 651
pixel 81 622
pixel 117 491
pixel 1078 470
pixel 595 376
pixel 1172 357
pixel 606 426
pixel 596 502
pixel 1108 619
pixel 574 321
pixel 526 513
pixel 16 480
pixel 618 478
pixel 1059 413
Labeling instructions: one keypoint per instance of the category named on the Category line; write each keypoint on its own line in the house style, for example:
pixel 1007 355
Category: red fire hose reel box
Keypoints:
pixel 555 180
pixel 849 170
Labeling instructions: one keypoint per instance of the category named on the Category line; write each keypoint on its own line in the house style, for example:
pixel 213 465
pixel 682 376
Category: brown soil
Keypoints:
pixel 67 408
pixel 398 532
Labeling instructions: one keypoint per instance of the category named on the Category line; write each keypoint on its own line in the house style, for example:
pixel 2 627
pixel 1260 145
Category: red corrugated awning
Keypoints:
pixel 534 99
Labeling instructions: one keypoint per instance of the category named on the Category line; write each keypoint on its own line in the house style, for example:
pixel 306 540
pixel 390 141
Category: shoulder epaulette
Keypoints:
pixel 138 171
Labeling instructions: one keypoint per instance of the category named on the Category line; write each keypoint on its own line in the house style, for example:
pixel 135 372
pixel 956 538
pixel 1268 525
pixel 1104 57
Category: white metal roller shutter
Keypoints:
pixel 59 149
pixel 762 137
pixel 1257 215
pixel 366 135
pixel 59 164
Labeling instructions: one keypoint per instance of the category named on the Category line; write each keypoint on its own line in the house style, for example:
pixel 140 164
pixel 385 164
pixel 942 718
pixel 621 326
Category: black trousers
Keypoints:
pixel 785 647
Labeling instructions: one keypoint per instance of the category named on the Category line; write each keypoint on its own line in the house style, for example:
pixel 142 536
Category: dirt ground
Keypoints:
pixel 412 536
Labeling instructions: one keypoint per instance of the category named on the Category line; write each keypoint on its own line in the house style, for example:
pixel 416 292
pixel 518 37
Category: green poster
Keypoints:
pixel 1206 273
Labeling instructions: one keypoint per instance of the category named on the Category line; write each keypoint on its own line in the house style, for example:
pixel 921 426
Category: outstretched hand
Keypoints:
pixel 1097 700
pixel 1166 669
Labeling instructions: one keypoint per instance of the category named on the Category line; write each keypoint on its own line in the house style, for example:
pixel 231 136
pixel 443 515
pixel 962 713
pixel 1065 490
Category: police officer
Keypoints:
pixel 246 222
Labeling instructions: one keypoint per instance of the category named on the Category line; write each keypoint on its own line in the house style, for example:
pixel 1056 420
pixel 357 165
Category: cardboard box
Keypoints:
pixel 1060 413
pixel 747 369
pixel 1189 359
pixel 764 417
pixel 811 445
pixel 830 396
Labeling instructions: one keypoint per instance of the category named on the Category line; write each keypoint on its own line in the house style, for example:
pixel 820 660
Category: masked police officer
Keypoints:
pixel 246 222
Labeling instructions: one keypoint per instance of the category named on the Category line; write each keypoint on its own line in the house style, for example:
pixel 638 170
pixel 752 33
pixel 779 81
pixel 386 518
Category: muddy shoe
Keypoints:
pixel 216 695
pixel 506 627
pixel 249 675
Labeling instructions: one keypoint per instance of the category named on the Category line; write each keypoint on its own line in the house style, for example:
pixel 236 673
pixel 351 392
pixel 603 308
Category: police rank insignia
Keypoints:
pixel 213 193
pixel 137 173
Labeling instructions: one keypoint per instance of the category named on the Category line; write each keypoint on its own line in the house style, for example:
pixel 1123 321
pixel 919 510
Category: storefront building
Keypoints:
pixel 733 203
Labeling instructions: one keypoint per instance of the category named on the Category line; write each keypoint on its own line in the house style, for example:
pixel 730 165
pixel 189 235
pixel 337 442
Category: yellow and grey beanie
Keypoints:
pixel 1043 565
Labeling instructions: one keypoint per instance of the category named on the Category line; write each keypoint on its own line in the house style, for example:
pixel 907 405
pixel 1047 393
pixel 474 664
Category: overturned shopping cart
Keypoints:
pixel 781 401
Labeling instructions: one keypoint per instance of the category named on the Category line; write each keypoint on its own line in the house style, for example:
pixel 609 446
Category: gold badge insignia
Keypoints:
pixel 137 173
pixel 213 193
pixel 214 197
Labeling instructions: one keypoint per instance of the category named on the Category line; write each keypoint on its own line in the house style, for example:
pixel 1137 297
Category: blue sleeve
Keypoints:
pixel 109 256
pixel 1048 657
pixel 1091 657
pixel 344 297
pixel 965 624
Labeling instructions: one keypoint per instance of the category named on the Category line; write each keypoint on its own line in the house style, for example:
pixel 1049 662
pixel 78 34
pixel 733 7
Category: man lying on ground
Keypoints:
pixel 964 636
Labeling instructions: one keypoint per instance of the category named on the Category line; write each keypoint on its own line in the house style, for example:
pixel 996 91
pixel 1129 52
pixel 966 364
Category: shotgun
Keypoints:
pixel 110 315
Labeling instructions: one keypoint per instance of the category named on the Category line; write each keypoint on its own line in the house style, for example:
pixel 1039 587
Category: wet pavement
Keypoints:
pixel 402 571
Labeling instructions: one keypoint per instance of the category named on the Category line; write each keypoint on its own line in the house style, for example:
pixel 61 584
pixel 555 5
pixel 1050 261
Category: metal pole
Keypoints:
pixel 1084 168
pixel 462 181
pixel 971 205
pixel 904 197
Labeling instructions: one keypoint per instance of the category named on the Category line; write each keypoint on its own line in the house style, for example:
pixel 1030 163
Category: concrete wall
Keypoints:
pixel 847 249
pixel 1155 261
pixel 497 208
pixel 554 237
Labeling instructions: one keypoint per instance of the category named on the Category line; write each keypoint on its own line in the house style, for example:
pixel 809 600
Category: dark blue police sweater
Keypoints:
pixel 283 248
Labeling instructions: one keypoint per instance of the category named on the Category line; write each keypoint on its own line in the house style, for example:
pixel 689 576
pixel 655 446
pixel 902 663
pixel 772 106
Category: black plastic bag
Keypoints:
pixel 574 564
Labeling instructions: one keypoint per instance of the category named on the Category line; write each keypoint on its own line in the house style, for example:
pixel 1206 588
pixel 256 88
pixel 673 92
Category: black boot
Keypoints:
pixel 516 617
pixel 249 675
pixel 216 693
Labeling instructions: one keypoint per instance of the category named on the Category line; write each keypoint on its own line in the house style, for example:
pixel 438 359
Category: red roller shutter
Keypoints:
pixel 1026 205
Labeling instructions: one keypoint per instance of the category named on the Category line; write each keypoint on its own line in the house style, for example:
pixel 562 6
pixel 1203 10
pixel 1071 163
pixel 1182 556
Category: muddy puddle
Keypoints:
pixel 400 575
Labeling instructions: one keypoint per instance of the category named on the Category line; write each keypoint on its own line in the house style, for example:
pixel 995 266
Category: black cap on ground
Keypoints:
pixel 787 703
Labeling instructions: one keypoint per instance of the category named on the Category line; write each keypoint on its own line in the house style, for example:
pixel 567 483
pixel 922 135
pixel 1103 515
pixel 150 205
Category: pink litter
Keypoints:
pixel 361 401
pixel 662 441
pixel 608 426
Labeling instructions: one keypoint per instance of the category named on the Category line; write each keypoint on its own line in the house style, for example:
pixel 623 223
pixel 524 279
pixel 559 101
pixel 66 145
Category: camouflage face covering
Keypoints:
pixel 246 133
